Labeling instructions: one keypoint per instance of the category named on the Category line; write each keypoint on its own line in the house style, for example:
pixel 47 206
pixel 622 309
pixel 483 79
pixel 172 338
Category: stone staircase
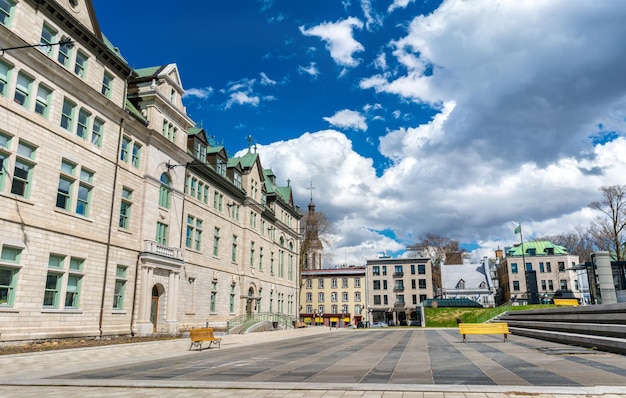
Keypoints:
pixel 601 327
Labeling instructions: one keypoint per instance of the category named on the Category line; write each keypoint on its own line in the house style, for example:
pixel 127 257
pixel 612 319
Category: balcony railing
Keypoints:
pixel 399 304
pixel 398 289
pixel 398 274
pixel 150 246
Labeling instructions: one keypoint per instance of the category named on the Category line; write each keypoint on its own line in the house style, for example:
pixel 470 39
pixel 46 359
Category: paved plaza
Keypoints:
pixel 319 362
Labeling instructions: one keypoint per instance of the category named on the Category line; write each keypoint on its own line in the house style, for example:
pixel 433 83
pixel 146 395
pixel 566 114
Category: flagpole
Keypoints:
pixel 521 236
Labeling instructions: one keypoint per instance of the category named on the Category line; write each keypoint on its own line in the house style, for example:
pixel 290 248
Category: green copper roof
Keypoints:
pixel 540 248
pixel 285 193
pixel 214 149
pixel 193 131
pixel 111 47
pixel 150 71
pixel 135 112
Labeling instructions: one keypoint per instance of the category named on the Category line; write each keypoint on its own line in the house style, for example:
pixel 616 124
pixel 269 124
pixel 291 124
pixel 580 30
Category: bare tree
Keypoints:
pixel 435 247
pixel 579 242
pixel 608 230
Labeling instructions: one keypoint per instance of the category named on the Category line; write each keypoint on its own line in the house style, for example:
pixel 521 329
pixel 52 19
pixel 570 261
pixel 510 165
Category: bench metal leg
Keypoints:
pixel 464 338
pixel 505 337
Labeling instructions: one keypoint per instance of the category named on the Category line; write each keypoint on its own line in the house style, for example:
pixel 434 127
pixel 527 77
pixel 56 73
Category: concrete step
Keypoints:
pixel 602 343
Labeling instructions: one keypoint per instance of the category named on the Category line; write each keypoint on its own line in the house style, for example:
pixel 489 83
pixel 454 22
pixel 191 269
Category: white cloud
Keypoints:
pixel 266 81
pixel 242 98
pixel 201 93
pixel 372 18
pixel 339 40
pixel 519 89
pixel 311 70
pixel 381 62
pixel 399 4
pixel 347 119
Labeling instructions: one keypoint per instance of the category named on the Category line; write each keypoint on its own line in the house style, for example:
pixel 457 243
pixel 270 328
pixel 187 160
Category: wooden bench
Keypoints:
pixel 199 335
pixel 572 302
pixel 484 328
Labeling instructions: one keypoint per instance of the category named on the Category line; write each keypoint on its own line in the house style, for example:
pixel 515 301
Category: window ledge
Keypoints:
pixel 9 309
pixel 62 311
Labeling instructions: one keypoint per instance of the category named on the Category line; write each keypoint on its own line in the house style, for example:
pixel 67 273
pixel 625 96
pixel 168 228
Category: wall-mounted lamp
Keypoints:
pixel 230 204
pixel 65 41
pixel 191 279
pixel 271 228
pixel 170 166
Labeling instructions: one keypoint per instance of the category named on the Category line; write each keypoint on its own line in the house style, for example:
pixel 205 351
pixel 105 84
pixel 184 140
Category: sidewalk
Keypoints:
pixel 37 375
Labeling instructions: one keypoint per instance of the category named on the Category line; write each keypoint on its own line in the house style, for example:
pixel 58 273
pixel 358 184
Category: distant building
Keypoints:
pixel 396 287
pixel 312 247
pixel 537 270
pixel 469 280
pixel 334 296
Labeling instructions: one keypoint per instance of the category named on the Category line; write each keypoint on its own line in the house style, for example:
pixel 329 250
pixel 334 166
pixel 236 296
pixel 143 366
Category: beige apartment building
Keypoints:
pixel 539 265
pixel 396 287
pixel 333 296
pixel 117 214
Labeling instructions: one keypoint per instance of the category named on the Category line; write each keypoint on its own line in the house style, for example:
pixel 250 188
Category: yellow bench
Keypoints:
pixel 200 335
pixel 564 302
pixel 484 328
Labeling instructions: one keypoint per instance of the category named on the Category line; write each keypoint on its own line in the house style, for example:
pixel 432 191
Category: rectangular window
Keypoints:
pixel 65 52
pixel 344 296
pixel 136 155
pixel 541 267
pixel 344 283
pixel 320 283
pixel 543 285
pixel 320 297
pixel 8 279
pixel 561 266
pixel 309 297
pixel 80 66
pixel 231 306
pixel 6 12
pixel 376 270
pixel 216 241
pixel 82 129
pixel 194 233
pixel 514 268
pixel 421 283
pixel 84 192
pixel 72 292
pixel 234 249
pixel 125 206
pixel 42 102
pixel 376 285
pixel 213 296
pixel 162 233
pixel 5 71
pixel 548 267
pixel 10 254
pixel 48 36
pixel 384 270
pixel 52 290
pixel 377 299
pixel 67 115
pixel 357 296
pixel 421 269
pixel 22 172
pixel 64 189
pixel 22 90
pixel 516 286
pixel 120 287
pixel 96 132
pixel 563 284
pixel 333 283
pixel 107 85
pixel 125 149
pixel 550 285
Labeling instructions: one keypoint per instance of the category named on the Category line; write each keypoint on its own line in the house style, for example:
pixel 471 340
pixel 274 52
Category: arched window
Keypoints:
pixel 460 284
pixel 165 191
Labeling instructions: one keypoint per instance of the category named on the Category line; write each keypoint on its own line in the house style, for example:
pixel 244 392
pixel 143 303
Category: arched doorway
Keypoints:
pixel 154 308
pixel 250 302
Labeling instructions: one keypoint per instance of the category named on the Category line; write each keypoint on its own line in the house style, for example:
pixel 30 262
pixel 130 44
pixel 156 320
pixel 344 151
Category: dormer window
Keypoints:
pixel 460 284
pixel 220 167
pixel 237 180
pixel 550 251
pixel 200 151
pixel 532 251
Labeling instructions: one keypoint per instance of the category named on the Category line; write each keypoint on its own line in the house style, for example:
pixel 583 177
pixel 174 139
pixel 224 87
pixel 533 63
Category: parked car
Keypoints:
pixel 379 325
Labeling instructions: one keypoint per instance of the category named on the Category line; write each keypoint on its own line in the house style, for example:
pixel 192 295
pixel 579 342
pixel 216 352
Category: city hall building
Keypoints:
pixel 117 214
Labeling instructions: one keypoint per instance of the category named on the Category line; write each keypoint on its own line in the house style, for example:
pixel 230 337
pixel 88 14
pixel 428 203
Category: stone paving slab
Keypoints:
pixel 46 374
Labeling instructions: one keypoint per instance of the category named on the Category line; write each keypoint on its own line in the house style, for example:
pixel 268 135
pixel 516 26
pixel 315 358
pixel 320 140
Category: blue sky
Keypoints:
pixel 410 117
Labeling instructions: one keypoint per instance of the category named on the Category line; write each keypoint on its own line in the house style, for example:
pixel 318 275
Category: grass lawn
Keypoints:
pixel 446 317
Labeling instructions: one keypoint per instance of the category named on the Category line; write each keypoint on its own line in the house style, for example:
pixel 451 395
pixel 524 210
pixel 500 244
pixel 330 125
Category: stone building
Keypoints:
pixel 396 287
pixel 117 214
pixel 333 296
pixel 537 270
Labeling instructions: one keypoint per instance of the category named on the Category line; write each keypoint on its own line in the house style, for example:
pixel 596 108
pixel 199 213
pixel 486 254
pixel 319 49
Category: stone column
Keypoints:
pixel 602 261
pixel 144 326
pixel 172 302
